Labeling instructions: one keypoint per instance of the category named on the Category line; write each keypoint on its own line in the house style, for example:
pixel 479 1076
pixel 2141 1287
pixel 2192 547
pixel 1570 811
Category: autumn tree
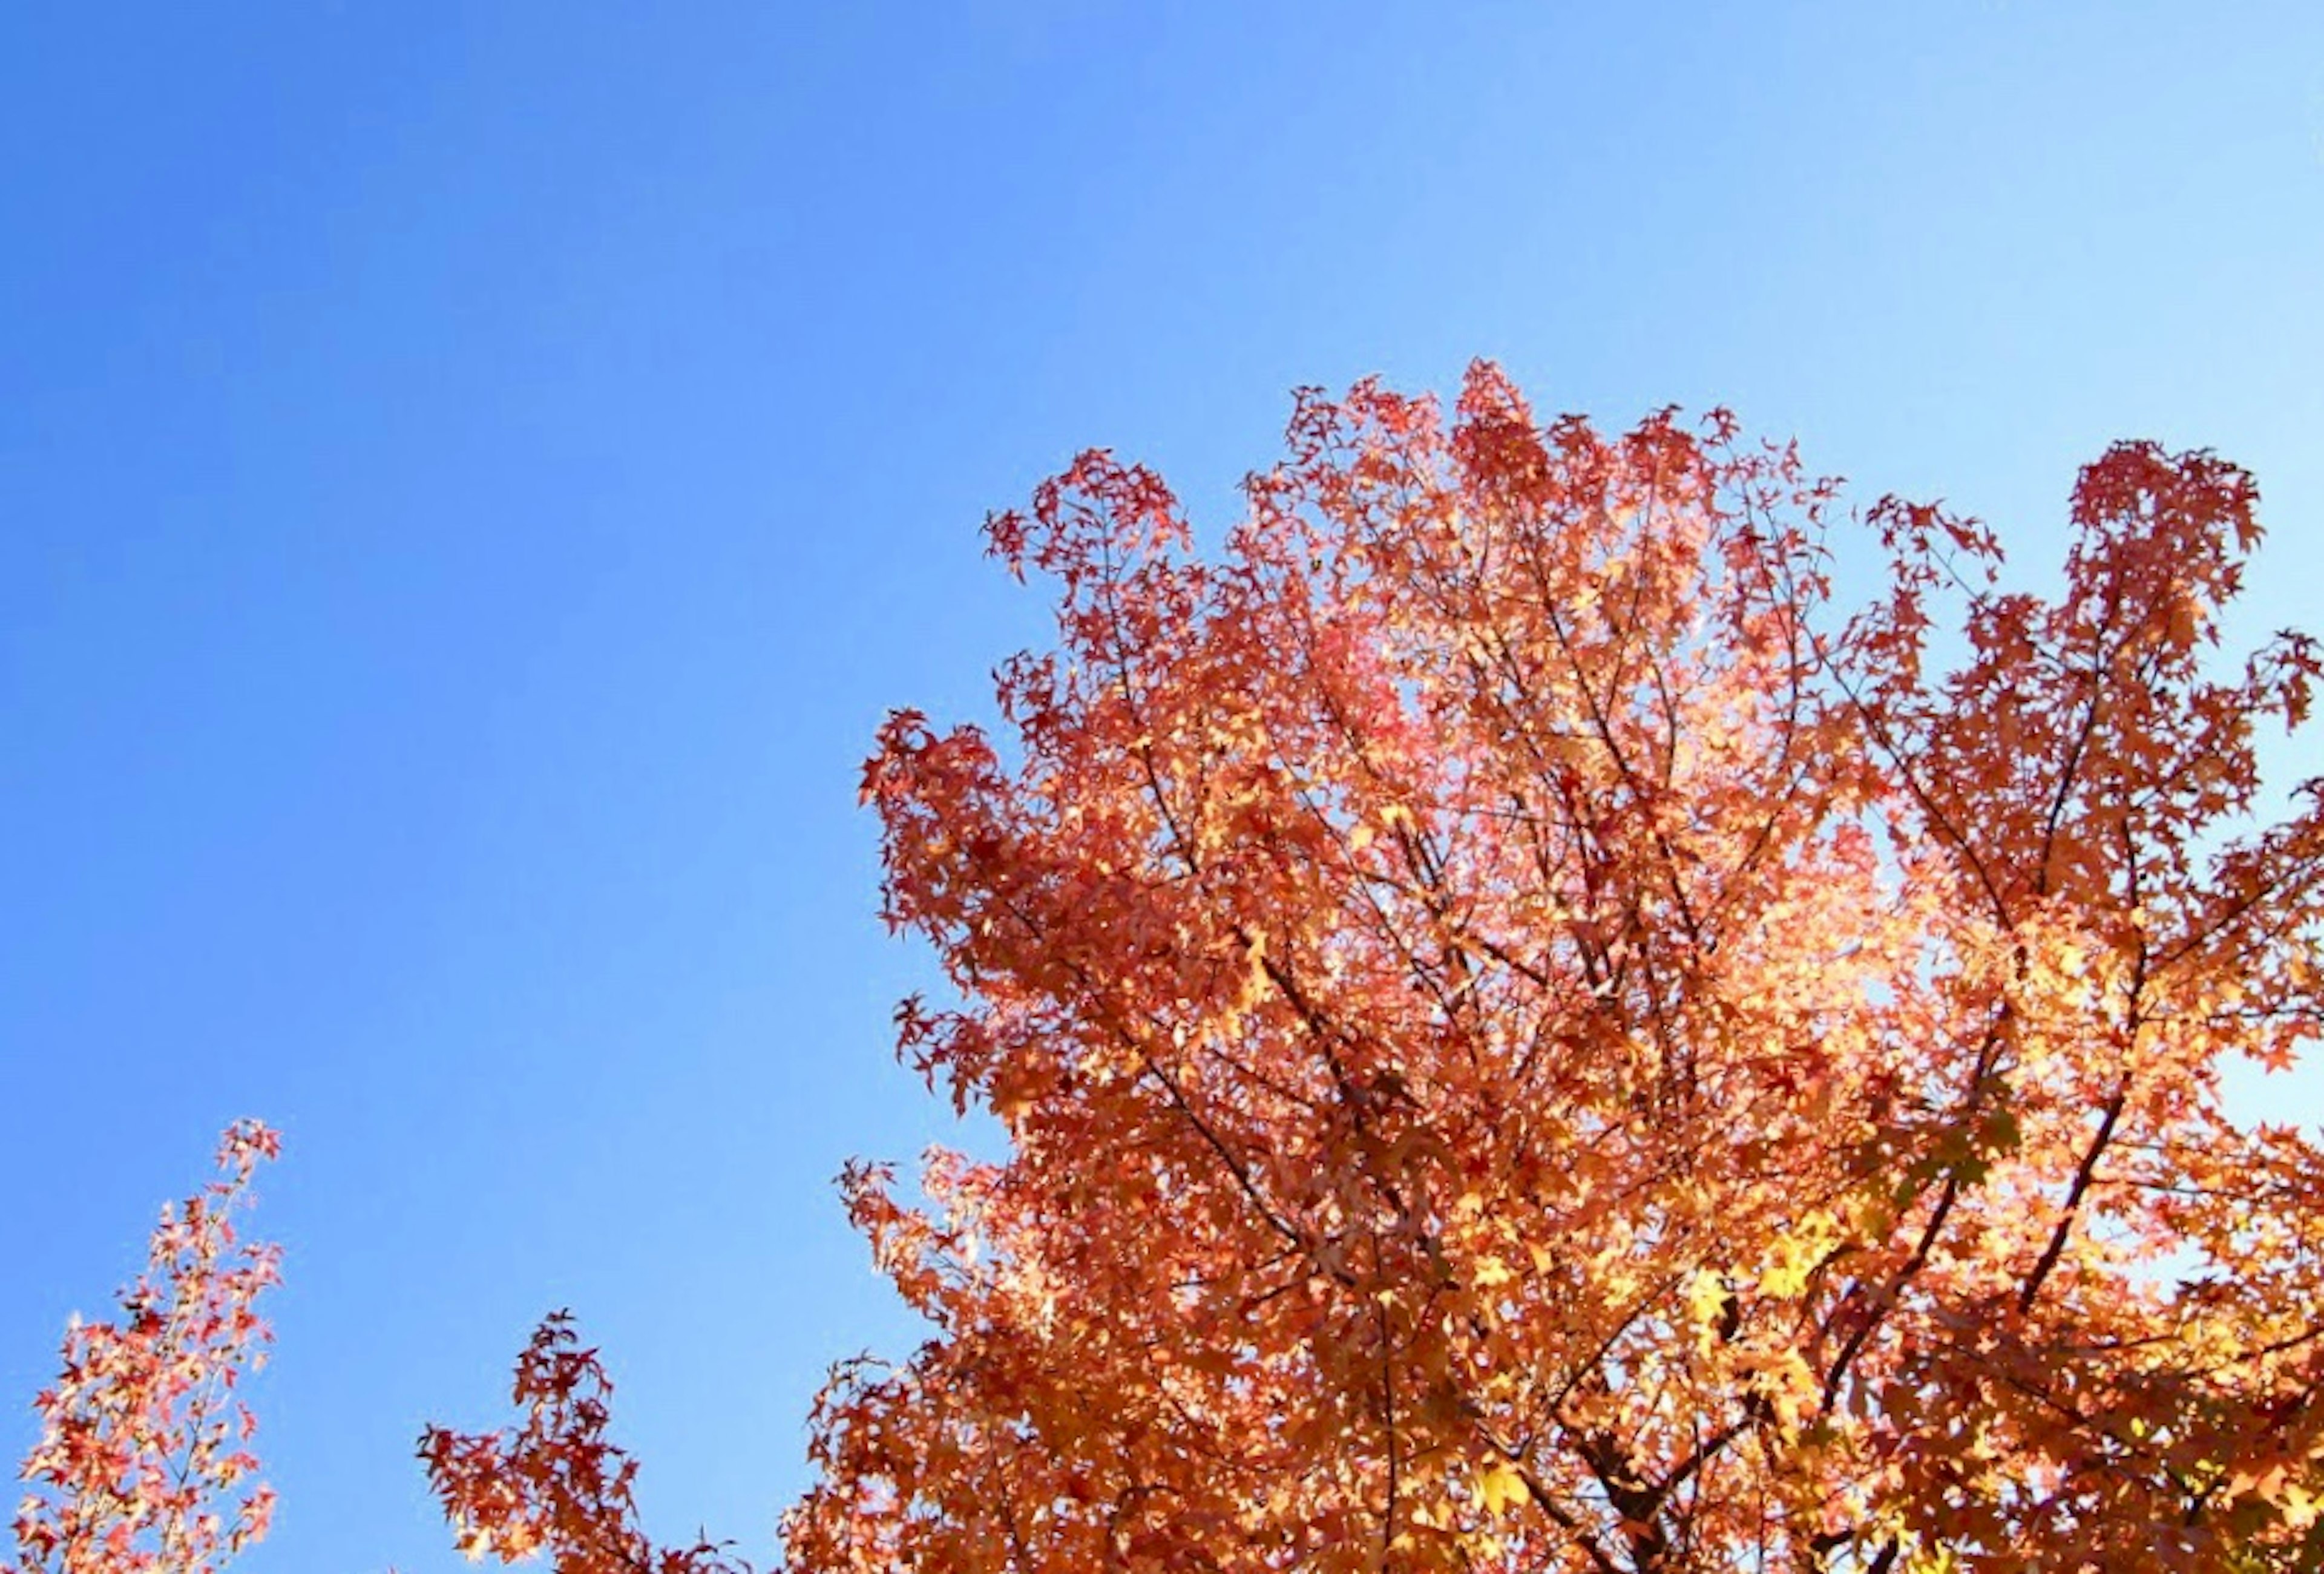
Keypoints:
pixel 144 1448
pixel 1528 1040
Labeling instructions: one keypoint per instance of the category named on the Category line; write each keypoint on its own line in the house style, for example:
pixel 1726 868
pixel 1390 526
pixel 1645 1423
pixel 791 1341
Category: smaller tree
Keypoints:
pixel 554 1485
pixel 144 1439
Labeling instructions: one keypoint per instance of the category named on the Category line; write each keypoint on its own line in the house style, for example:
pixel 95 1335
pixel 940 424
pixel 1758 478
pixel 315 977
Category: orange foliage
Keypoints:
pixel 1526 1043
pixel 554 1485
pixel 143 1438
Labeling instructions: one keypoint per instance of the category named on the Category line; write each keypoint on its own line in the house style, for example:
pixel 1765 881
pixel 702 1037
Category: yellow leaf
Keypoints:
pixel 1500 1486
pixel 1706 1296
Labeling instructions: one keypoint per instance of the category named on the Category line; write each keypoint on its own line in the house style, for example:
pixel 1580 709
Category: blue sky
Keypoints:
pixel 472 477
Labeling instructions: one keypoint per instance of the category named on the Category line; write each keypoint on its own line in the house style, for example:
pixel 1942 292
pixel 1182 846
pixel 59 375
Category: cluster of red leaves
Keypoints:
pixel 144 1435
pixel 554 1485
pixel 1528 1043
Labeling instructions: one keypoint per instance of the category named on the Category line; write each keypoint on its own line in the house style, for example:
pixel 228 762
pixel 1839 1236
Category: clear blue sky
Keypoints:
pixel 473 476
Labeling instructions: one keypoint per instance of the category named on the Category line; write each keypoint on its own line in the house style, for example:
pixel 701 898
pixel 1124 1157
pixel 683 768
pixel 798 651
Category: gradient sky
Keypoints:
pixel 472 477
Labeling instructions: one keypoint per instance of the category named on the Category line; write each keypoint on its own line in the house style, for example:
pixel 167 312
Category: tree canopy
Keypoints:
pixel 1530 1041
